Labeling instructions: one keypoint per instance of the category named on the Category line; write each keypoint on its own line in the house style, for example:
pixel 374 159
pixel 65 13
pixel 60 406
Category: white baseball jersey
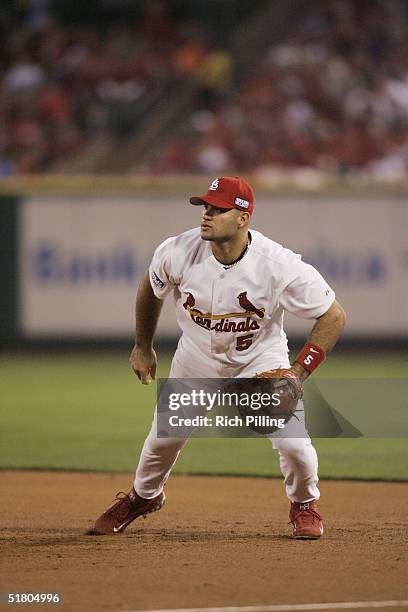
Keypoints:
pixel 231 316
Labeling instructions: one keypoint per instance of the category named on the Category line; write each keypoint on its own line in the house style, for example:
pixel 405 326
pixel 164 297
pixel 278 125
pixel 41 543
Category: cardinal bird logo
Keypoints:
pixel 190 301
pixel 223 322
pixel 245 303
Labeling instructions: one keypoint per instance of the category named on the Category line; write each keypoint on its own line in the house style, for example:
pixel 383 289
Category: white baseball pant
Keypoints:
pixel 297 456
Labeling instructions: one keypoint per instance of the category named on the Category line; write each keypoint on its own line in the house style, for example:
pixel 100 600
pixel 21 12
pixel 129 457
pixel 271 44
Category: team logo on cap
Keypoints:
pixel 214 185
pixel 241 203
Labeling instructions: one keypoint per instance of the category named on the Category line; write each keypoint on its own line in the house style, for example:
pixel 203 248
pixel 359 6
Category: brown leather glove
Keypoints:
pixel 282 383
pixel 287 379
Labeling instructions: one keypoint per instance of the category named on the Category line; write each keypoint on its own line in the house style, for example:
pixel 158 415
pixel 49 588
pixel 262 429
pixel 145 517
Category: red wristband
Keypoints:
pixel 310 357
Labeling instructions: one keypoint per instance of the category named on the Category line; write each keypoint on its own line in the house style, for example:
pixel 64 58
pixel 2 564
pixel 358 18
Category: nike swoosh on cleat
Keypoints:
pixel 117 529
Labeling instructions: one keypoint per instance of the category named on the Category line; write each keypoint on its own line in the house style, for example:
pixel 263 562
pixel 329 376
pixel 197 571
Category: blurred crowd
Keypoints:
pixel 331 94
pixel 65 84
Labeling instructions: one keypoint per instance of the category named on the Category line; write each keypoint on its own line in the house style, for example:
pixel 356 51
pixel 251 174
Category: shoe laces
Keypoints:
pixel 123 499
pixel 308 514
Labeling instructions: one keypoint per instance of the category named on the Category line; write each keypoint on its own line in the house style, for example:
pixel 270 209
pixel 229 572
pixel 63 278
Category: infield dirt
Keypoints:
pixel 217 542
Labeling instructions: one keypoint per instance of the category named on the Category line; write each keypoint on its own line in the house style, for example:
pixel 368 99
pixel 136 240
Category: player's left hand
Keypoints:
pixel 284 377
pixel 282 383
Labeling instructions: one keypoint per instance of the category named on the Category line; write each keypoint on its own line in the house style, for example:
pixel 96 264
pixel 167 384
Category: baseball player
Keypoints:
pixel 231 287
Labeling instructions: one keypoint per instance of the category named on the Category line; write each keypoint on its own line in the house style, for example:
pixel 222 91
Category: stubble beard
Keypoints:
pixel 211 237
pixel 208 237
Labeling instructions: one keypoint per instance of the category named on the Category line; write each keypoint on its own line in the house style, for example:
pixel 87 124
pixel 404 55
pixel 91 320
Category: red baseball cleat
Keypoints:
pixel 125 510
pixel 306 521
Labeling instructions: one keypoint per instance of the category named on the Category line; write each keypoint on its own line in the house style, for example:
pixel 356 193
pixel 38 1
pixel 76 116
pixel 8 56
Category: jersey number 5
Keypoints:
pixel 244 342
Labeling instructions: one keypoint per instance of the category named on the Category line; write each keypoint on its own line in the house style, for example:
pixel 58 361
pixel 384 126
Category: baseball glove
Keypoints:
pixel 282 384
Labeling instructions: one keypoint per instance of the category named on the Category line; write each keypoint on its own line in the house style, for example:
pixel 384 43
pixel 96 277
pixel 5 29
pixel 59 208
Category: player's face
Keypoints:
pixel 220 224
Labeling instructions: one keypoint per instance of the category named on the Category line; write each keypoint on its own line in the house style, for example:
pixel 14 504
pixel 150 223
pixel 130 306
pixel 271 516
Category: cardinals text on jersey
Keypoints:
pixel 225 314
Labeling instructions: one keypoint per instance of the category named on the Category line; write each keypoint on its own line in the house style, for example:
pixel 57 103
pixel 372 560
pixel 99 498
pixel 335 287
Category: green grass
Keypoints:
pixel 89 412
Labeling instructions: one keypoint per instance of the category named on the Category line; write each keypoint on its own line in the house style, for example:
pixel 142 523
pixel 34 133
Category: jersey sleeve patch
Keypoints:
pixel 156 280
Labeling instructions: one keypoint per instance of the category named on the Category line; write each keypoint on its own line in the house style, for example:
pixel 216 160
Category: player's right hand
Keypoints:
pixel 144 363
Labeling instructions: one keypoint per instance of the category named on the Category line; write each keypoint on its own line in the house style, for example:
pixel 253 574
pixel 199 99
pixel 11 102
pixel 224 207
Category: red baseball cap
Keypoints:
pixel 228 192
